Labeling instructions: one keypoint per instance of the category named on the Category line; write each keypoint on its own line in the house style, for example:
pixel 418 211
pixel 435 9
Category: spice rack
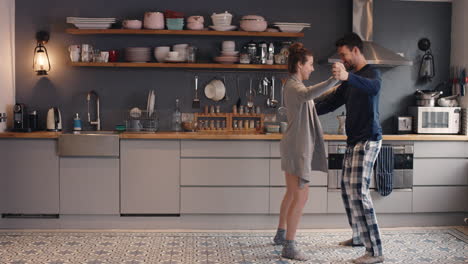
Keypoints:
pixel 229 122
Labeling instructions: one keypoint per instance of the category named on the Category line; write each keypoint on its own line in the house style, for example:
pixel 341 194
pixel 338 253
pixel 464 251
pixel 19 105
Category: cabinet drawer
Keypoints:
pixel 441 149
pixel 277 175
pixel 232 148
pixel 89 186
pixel 317 202
pixel 224 200
pixel 275 149
pixel 224 172
pixel 397 202
pixel 440 199
pixel 440 172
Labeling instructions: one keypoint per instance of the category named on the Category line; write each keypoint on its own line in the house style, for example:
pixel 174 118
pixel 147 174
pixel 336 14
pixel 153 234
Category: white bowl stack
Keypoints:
pixel 91 22
pixel 228 53
pixel 138 54
pixel 291 27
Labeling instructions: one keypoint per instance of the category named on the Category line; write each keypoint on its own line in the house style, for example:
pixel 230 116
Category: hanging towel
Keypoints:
pixel 384 170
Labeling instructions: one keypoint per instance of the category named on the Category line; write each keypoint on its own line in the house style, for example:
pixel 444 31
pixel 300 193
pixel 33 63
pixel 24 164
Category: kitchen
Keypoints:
pixel 245 196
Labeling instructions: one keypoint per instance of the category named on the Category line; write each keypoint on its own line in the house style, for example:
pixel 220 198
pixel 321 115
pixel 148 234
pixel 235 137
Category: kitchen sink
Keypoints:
pixel 93 132
pixel 89 144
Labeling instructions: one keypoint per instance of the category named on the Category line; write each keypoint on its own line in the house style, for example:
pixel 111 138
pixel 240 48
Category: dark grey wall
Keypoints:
pixel 398 26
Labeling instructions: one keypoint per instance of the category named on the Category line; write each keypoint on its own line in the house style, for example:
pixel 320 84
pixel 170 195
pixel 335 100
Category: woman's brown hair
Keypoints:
pixel 297 53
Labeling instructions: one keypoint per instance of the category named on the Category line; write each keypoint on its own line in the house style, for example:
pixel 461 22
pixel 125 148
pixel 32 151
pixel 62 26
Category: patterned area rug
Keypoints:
pixel 428 245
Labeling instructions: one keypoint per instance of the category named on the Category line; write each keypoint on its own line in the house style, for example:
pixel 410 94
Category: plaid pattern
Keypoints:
pixel 358 165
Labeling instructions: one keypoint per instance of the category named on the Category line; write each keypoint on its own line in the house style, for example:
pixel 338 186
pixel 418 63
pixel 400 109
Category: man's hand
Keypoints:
pixel 339 71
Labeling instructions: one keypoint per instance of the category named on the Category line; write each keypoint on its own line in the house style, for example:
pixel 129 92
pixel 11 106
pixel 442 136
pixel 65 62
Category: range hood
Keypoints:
pixel 363 26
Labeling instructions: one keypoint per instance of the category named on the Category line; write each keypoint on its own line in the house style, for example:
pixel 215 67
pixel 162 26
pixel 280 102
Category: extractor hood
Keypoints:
pixel 363 26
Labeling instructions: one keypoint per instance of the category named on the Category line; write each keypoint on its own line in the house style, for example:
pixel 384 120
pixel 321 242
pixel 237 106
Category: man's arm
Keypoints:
pixel 368 85
pixel 331 100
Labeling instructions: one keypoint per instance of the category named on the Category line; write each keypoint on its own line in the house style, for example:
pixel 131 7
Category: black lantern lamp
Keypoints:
pixel 427 68
pixel 41 63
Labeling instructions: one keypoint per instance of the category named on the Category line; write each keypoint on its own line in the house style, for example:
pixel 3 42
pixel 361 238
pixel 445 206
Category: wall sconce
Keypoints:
pixel 41 63
pixel 427 68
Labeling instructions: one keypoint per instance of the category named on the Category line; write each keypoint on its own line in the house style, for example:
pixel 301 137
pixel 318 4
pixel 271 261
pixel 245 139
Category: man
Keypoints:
pixel 359 92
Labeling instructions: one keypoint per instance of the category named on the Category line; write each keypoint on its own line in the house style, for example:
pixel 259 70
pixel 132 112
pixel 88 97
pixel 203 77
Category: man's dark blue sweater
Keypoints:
pixel 360 93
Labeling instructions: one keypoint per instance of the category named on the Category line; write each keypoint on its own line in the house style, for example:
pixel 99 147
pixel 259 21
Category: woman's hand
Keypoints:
pixel 339 71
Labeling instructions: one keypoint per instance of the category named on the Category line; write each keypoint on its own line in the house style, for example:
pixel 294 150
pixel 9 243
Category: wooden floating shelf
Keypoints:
pixel 182 32
pixel 180 65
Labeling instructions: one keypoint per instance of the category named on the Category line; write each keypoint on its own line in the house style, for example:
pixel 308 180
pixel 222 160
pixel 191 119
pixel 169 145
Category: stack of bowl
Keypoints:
pixel 138 54
pixel 174 20
pixel 228 53
pixel 175 23
pixel 222 22
pixel 195 23
pixel 253 23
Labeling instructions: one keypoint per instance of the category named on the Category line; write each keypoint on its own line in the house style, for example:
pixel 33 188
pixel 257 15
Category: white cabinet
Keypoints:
pixel 433 171
pixel 224 172
pixel 399 201
pixel 440 199
pixel 224 200
pixel 29 178
pixel 231 148
pixel 318 178
pixel 275 149
pixel 317 202
pixel 150 176
pixel 439 149
pixel 89 185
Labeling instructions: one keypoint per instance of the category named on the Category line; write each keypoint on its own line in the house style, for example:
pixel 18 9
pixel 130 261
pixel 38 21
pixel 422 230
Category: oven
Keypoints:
pixel 402 168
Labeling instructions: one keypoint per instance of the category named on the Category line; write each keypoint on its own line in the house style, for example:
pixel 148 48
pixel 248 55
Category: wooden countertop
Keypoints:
pixel 234 136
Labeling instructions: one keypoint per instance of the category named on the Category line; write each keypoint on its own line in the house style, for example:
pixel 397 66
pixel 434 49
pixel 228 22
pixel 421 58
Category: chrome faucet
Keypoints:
pixel 98 119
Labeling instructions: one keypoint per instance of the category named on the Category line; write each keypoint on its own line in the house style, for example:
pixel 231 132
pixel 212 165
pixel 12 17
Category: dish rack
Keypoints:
pixel 229 122
pixel 143 122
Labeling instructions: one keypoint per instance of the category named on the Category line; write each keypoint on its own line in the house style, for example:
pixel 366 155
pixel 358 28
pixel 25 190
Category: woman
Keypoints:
pixel 302 147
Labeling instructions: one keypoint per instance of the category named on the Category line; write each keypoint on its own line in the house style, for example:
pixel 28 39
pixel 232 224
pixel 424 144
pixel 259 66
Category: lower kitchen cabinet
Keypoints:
pixel 224 172
pixel 224 200
pixel 29 181
pixel 399 201
pixel 316 204
pixel 434 171
pixel 440 199
pixel 149 171
pixel 318 178
pixel 89 185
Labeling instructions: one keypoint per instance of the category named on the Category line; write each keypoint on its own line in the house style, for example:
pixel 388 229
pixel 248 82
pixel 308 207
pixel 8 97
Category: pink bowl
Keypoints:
pixel 253 25
pixel 195 26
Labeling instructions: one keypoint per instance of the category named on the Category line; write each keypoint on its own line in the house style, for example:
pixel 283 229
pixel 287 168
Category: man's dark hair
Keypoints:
pixel 351 40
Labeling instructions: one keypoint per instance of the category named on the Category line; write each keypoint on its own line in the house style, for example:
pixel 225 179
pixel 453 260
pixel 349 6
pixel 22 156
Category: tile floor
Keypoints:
pixel 403 245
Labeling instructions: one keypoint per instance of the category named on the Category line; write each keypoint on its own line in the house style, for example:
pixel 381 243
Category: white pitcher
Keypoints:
pixel 154 20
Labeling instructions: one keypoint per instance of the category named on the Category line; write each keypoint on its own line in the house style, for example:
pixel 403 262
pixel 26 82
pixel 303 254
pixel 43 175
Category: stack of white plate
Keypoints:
pixel 464 121
pixel 291 27
pixel 228 57
pixel 138 54
pixel 91 22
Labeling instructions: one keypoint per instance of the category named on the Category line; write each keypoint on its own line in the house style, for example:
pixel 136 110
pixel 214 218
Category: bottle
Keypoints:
pixel 177 118
pixel 77 123
pixel 341 124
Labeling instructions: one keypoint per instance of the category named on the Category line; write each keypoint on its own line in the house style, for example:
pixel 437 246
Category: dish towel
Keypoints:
pixel 384 170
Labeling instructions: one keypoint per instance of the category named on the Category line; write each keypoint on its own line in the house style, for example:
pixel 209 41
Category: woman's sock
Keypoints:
pixel 280 236
pixel 290 251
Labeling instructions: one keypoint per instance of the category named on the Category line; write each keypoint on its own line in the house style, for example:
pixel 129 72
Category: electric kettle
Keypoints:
pixel 54 119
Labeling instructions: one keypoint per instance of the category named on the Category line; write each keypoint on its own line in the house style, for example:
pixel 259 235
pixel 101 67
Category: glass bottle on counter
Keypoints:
pixel 177 118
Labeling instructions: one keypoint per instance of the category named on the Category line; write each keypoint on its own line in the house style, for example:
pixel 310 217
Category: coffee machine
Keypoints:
pixel 20 118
